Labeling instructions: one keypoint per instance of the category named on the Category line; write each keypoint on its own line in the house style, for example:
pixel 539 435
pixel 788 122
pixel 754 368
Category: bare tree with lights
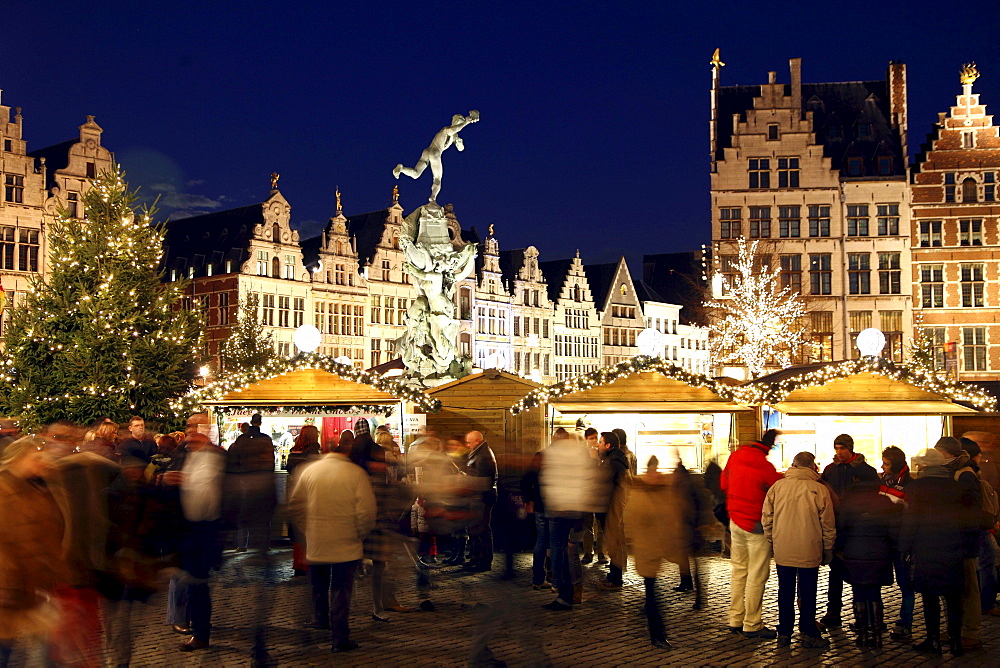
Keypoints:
pixel 758 324
pixel 99 334
pixel 249 345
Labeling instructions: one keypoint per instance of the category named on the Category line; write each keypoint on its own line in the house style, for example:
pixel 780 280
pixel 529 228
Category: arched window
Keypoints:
pixel 577 296
pixel 276 267
pixel 969 190
pixel 276 232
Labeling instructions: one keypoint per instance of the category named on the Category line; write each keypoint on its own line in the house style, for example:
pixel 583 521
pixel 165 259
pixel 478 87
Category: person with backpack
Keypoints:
pixel 958 462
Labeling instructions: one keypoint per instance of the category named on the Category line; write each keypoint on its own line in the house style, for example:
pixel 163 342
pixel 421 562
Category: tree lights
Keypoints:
pixel 98 335
pixel 758 323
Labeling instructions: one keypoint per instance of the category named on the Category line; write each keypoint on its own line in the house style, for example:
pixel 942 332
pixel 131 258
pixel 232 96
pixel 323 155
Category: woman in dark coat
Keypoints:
pixel 933 529
pixel 864 541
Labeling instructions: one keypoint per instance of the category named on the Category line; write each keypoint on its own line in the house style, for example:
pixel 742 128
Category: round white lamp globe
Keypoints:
pixel 650 342
pixel 870 342
pixel 307 338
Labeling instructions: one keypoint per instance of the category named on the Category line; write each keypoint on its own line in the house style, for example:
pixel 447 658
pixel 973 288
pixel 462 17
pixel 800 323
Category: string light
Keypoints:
pixel 335 409
pixel 766 391
pixel 239 380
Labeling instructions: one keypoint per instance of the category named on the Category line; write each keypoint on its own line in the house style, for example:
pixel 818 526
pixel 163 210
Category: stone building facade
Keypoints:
pixel 955 238
pixel 817 175
pixel 37 185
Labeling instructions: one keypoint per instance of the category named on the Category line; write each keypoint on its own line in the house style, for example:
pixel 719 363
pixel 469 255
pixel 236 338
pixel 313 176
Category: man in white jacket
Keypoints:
pixel 334 504
pixel 799 523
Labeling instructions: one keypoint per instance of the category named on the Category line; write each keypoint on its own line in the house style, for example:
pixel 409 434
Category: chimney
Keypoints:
pixel 795 66
pixel 896 80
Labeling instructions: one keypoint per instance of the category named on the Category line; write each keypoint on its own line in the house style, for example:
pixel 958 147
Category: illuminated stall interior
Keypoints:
pixel 311 390
pixel 658 406
pixel 877 403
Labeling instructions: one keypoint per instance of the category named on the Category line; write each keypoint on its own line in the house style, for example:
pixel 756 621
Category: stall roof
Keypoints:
pixel 869 386
pixel 641 385
pixel 307 380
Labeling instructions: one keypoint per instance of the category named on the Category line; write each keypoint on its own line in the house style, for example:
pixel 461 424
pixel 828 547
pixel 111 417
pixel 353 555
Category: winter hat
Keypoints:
pixel 928 457
pixel 845 440
pixel 971 447
pixel 361 426
pixel 948 446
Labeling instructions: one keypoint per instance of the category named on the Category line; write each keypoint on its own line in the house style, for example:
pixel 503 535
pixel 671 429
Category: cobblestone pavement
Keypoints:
pixel 607 629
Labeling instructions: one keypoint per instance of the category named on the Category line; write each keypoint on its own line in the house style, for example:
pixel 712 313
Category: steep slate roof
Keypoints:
pixel 511 262
pixel 367 230
pixel 555 272
pixel 839 104
pixel 601 279
pixel 56 158
pixel 212 237
pixel 676 277
pixel 646 293
pixel 310 250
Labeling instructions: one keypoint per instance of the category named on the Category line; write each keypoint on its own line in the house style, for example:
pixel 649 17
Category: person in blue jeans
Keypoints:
pixel 534 503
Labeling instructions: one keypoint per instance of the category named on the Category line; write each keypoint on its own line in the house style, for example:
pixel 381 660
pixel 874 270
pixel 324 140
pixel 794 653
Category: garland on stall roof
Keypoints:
pixel 762 392
pixel 757 393
pixel 610 374
pixel 240 380
pixel 333 409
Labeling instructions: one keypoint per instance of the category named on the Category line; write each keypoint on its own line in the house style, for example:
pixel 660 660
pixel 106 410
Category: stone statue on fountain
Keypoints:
pixel 437 263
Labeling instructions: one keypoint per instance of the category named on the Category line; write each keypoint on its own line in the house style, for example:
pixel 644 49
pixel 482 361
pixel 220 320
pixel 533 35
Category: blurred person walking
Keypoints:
pixel 799 523
pixel 32 563
pixel 656 521
pixel 250 492
pixel 305 449
pixel 932 538
pixel 965 473
pixel 615 475
pixel 745 480
pixel 481 467
pixel 986 565
pixel 593 538
pixel 200 481
pixel 334 504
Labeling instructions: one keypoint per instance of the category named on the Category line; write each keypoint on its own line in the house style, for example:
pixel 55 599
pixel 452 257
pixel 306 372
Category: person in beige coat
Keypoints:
pixel 334 505
pixel 800 525
pixel 656 522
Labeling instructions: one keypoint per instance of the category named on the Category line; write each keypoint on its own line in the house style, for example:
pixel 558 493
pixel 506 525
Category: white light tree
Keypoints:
pixel 758 324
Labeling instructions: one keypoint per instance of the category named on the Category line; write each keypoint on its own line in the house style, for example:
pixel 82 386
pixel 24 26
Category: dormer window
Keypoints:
pixel 833 132
pixel 855 167
pixel 885 165
pixel 864 131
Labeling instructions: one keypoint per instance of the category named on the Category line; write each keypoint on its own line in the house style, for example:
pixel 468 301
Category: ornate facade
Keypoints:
pixel 37 185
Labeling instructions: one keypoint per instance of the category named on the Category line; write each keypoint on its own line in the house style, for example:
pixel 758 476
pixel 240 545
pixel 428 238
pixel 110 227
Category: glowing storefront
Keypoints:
pixel 878 403
pixel 309 389
pixel 658 405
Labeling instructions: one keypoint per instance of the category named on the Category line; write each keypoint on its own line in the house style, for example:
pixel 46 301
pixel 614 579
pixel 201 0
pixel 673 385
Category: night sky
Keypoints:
pixel 594 131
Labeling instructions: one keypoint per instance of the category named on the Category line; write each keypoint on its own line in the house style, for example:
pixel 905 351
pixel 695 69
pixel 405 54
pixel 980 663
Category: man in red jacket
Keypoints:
pixel 745 480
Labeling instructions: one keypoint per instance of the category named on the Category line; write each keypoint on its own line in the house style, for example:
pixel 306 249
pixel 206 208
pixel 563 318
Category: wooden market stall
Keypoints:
pixel 308 389
pixel 657 404
pixel 481 402
pixel 875 401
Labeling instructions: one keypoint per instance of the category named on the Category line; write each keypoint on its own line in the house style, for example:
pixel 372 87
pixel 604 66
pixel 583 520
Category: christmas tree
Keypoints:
pixel 757 324
pixel 99 335
pixel 249 346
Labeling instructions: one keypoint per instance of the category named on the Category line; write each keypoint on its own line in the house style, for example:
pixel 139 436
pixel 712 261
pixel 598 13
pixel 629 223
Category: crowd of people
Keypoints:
pixel 928 530
pixel 99 519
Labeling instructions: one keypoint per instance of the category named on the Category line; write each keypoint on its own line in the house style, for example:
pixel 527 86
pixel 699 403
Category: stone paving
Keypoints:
pixel 607 629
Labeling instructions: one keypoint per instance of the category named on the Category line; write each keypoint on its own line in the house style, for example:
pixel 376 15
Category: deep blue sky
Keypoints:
pixel 594 131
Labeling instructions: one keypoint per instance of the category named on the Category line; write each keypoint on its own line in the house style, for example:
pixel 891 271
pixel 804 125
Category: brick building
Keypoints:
pixel 955 235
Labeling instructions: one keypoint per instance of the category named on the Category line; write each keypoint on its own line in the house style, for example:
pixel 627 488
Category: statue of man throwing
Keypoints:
pixel 432 154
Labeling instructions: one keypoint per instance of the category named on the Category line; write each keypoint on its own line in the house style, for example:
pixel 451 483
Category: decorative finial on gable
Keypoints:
pixel 968 74
pixel 395 194
pixel 340 209
pixel 274 180
pixel 716 62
